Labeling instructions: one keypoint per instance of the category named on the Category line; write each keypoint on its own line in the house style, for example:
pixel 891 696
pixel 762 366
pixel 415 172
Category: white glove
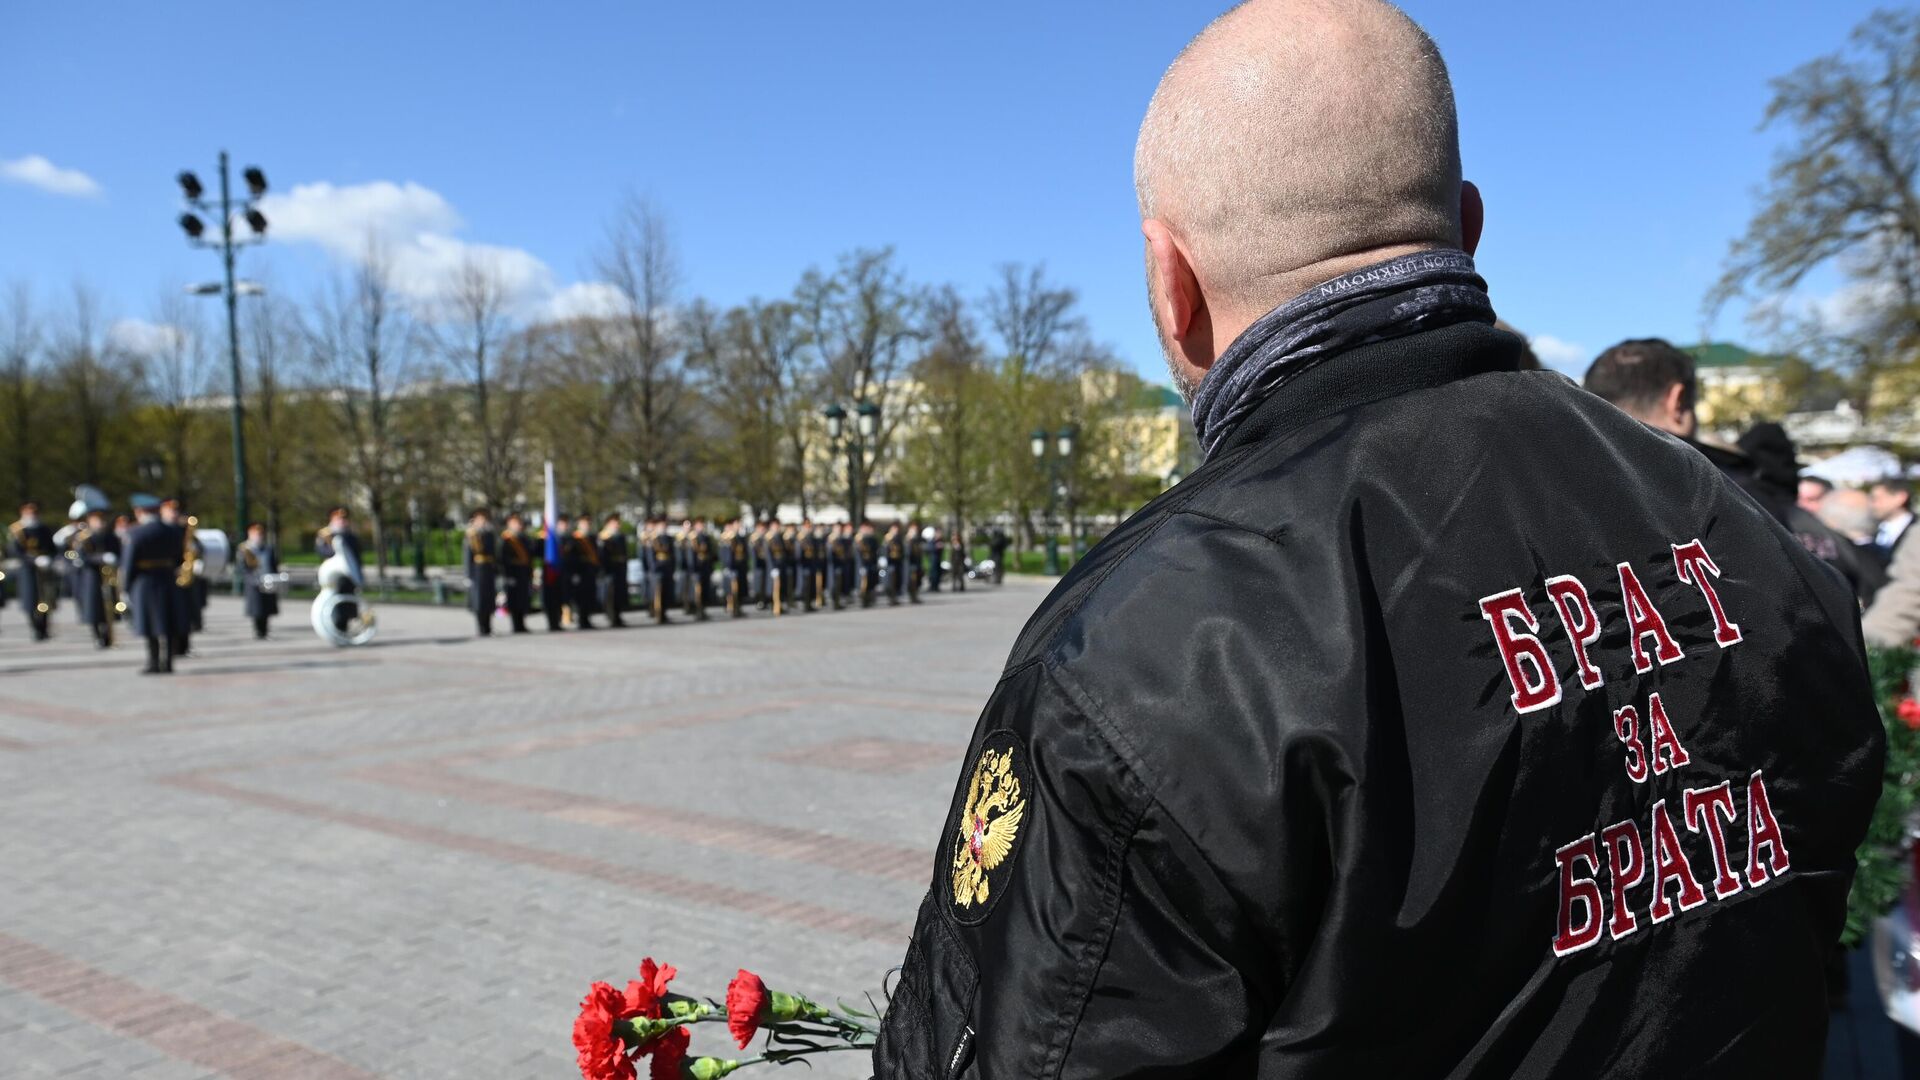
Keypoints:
pixel 43 561
pixel 109 559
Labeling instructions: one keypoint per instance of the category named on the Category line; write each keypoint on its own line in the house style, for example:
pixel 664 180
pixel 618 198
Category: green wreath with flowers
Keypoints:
pixel 1884 857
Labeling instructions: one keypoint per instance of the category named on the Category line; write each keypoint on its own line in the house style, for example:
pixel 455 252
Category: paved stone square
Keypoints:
pixel 409 860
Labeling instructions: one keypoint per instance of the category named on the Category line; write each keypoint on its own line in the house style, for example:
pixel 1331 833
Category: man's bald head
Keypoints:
pixel 1292 134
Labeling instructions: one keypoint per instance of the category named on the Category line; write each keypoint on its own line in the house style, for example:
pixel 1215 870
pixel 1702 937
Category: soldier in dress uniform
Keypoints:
pixel 481 552
pixel 516 567
pixel 840 564
pixel 779 552
pixel 614 556
pixel 790 567
pixel 683 566
pixel 152 562
pixel 664 560
pixel 757 541
pixel 258 559
pixel 95 554
pixel 808 558
pixel 553 574
pixel 581 556
pixel 895 546
pixel 641 558
pixel 739 556
pixel 186 604
pixel 706 556
pixel 916 560
pixel 30 540
pixel 867 545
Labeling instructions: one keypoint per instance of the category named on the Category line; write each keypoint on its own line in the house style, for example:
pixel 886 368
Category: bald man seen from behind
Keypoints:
pixel 1446 722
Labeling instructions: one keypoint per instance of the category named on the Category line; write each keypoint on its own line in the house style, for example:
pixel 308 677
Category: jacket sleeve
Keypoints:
pixel 1894 617
pixel 1099 946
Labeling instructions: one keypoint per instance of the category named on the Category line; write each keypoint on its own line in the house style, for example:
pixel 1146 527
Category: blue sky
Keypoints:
pixel 1616 144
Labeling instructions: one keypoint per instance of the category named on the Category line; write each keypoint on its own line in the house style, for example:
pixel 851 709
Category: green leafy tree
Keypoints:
pixel 1842 194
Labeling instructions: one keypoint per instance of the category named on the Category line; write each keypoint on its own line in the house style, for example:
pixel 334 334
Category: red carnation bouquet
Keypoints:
pixel 617 1028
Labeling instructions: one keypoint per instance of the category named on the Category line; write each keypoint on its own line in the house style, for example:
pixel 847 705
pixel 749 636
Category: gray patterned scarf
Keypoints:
pixel 1407 295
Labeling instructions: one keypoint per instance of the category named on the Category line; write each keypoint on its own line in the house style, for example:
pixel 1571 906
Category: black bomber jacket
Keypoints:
pixel 1446 723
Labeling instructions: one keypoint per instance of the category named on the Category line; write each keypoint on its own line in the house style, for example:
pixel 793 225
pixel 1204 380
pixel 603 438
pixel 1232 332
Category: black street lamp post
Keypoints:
pixel 866 426
pixel 1055 468
pixel 191 224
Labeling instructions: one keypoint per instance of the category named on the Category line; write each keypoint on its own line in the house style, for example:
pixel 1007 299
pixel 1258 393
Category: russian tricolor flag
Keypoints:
pixel 552 560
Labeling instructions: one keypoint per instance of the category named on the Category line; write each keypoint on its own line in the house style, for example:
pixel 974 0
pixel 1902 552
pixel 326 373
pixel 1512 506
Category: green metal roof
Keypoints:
pixel 1722 354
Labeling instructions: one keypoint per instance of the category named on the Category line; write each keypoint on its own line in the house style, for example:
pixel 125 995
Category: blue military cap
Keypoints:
pixel 144 502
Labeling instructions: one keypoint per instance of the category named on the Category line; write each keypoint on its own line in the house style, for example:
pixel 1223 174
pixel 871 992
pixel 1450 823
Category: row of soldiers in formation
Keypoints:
pixel 774 566
pixel 145 568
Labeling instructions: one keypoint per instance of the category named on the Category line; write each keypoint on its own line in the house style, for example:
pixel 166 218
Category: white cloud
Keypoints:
pixel 145 338
pixel 36 171
pixel 341 219
pixel 1563 356
pixel 1854 306
pixel 590 298
pixel 413 228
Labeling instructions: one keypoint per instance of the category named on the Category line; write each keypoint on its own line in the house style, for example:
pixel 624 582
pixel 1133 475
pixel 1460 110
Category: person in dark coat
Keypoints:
pixel 95 554
pixel 779 554
pixel 895 546
pixel 1446 721
pixel 516 568
pixel 705 556
pixel 936 559
pixel 665 562
pixel 185 611
pixel 916 560
pixel 759 540
pixel 581 557
pixel 1775 483
pixel 151 563
pixel 480 549
pixel 997 545
pixel 739 561
pixel 808 557
pixel 844 568
pixel 615 553
pixel 960 557
pixel 30 540
pixel 867 545
pixel 554 580
pixel 259 579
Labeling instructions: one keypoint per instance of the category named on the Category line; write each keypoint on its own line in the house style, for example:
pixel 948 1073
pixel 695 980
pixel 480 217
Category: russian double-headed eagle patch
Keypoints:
pixel 989 826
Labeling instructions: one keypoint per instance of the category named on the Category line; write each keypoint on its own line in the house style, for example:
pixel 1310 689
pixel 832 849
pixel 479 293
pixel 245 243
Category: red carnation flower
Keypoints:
pixel 1909 713
pixel 601 1053
pixel 668 1051
pixel 644 996
pixel 746 1003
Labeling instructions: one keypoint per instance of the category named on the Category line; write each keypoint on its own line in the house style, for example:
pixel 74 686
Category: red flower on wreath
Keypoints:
pixel 746 1002
pixel 644 996
pixel 603 1054
pixel 1909 713
pixel 668 1051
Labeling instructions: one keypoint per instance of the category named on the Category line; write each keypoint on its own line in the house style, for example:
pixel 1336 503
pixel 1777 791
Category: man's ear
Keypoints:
pixel 1473 216
pixel 1179 305
pixel 1677 409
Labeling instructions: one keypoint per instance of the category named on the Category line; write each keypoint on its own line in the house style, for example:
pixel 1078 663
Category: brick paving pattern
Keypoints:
pixel 408 860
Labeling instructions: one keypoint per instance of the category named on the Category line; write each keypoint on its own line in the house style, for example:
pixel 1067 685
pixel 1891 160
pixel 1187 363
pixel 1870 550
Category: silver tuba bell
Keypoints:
pixel 341 614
